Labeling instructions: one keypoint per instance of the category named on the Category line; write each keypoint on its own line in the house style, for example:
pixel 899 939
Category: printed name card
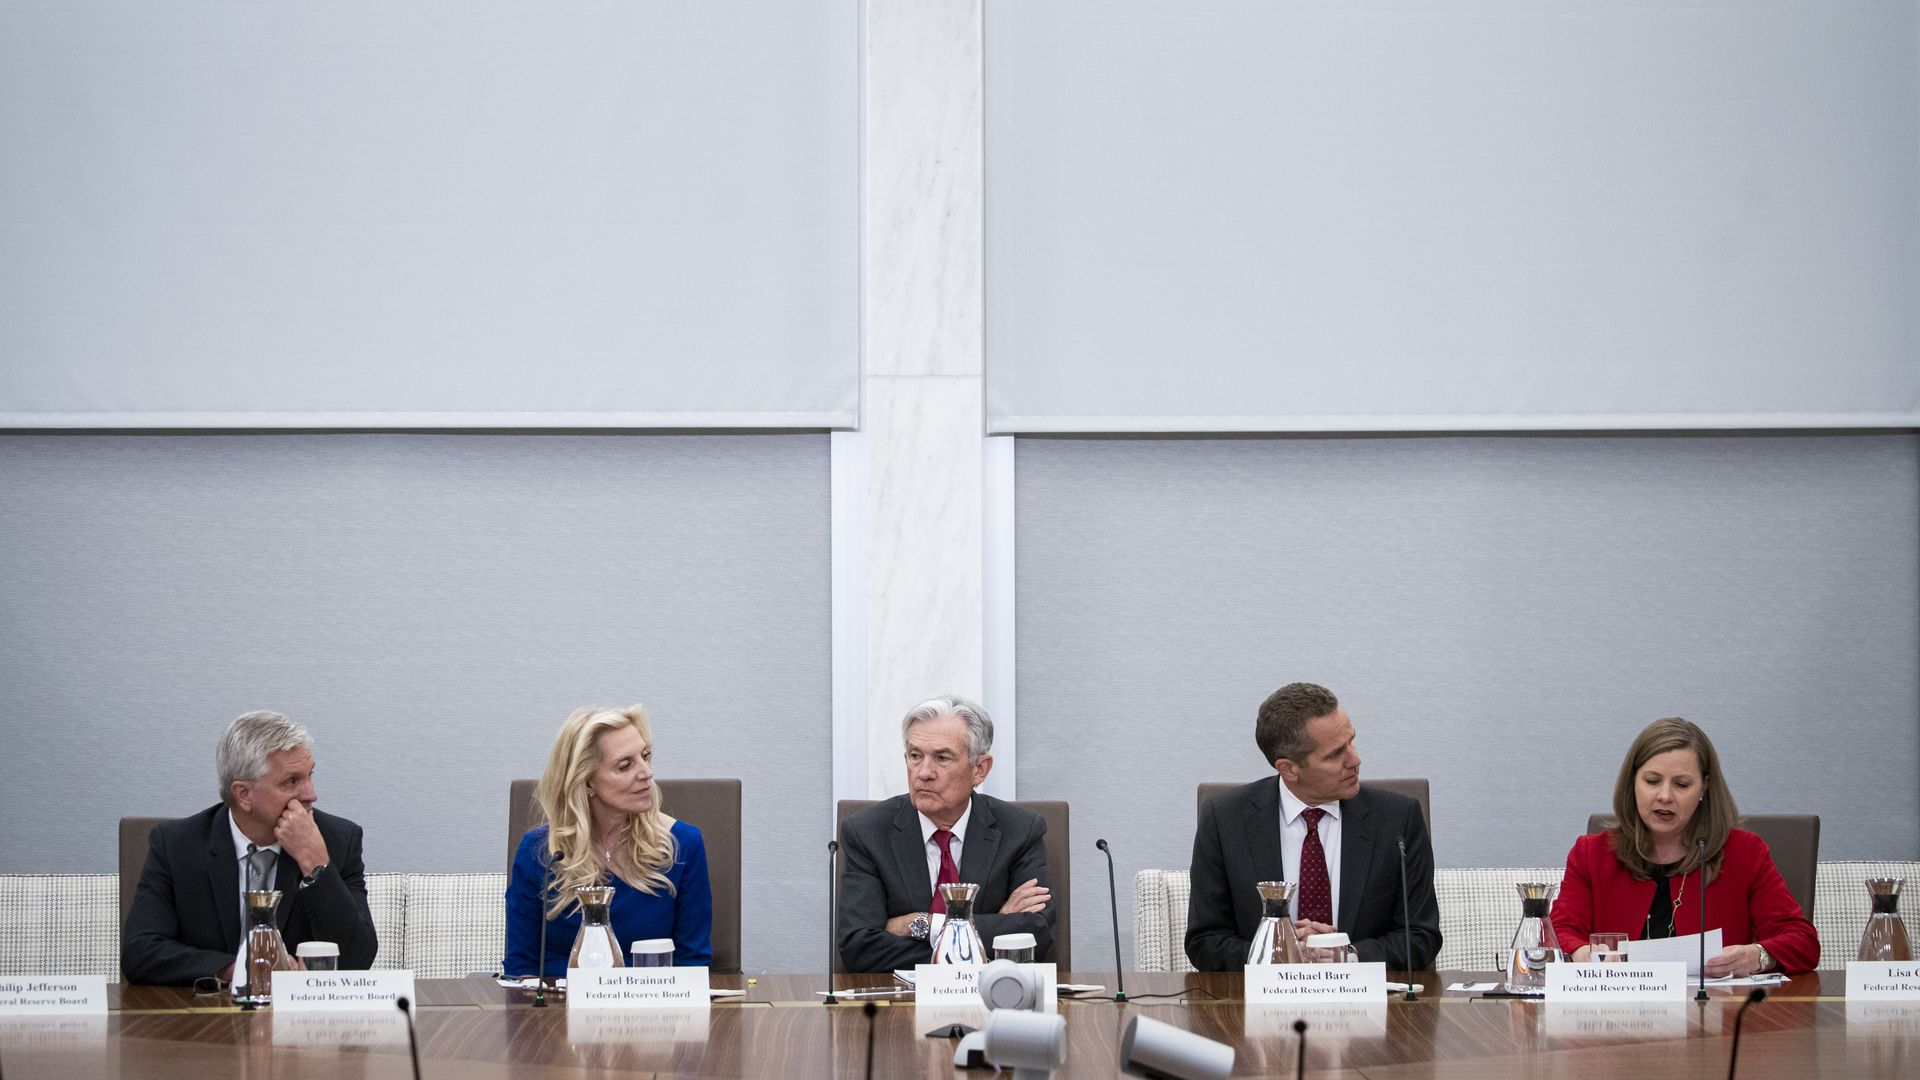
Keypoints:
pixel 39 995
pixel 637 988
pixel 948 985
pixel 1303 984
pixel 1883 980
pixel 1663 981
pixel 339 991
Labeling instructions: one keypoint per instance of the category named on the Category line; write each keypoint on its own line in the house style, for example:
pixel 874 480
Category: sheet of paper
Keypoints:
pixel 1687 948
pixel 1771 978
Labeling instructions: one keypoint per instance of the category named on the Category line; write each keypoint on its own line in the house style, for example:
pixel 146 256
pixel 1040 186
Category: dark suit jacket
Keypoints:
pixel 886 875
pixel 185 920
pixel 1238 843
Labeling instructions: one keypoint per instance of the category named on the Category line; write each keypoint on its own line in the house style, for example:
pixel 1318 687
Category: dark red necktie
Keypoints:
pixel 1316 891
pixel 949 873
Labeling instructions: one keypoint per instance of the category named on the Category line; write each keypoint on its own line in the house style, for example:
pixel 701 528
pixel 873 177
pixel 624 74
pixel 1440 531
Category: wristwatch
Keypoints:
pixel 1766 958
pixel 313 877
pixel 917 929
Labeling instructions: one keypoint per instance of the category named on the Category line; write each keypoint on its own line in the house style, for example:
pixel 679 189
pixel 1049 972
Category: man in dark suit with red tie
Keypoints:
pixel 185 922
pixel 1312 823
pixel 941 831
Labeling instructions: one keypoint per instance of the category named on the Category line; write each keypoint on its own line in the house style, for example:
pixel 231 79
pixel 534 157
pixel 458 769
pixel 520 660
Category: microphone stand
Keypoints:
pixel 1406 920
pixel 870 1009
pixel 413 1043
pixel 246 938
pixel 540 976
pixel 1300 1061
pixel 1701 844
pixel 1733 1058
pixel 1113 901
pixel 833 950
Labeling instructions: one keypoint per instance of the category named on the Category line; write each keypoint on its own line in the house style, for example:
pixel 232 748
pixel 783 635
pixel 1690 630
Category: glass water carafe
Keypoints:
pixel 266 949
pixel 1886 936
pixel 958 942
pixel 1534 942
pixel 595 946
pixel 1275 941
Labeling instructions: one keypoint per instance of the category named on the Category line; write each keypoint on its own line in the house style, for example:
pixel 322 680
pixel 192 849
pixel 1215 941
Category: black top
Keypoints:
pixel 1660 915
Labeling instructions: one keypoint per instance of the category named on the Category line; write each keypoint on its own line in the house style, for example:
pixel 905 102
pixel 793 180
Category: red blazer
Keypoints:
pixel 1748 901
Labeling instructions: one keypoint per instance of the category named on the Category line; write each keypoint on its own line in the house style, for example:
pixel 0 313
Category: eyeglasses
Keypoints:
pixel 208 986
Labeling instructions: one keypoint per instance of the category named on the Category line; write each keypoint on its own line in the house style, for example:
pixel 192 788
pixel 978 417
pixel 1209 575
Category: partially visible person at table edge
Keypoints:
pixel 605 826
pixel 1642 877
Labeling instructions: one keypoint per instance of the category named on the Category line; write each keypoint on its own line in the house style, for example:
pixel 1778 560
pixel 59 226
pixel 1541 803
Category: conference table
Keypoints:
pixel 475 1029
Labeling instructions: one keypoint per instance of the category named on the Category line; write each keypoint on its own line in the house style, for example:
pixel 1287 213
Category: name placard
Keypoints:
pixel 1662 981
pixel 637 988
pixel 948 985
pixel 1883 980
pixel 1306 984
pixel 41 995
pixel 339 991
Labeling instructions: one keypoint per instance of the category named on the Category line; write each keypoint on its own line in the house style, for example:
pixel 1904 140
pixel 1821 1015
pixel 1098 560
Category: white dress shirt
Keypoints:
pixel 936 919
pixel 959 831
pixel 1293 834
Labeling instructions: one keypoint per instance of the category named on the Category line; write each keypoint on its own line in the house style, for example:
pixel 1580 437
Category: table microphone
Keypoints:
pixel 1113 900
pixel 1300 1062
pixel 413 1044
pixel 1733 1058
pixel 870 1010
pixel 833 949
pixel 540 974
pixel 246 940
pixel 1406 923
pixel 1702 890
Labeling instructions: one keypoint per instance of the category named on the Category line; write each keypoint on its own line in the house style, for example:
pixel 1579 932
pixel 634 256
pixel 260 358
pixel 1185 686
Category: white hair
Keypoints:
pixel 243 750
pixel 979 724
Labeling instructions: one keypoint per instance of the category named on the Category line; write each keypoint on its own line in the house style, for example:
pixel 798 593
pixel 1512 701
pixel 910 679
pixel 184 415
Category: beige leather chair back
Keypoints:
pixel 133 857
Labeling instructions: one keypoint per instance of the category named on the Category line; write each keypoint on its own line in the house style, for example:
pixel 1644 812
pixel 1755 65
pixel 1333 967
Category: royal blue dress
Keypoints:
pixel 685 915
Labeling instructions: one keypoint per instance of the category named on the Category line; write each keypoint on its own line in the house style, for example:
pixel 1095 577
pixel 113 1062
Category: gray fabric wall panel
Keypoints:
pixel 432 607
pixel 1500 614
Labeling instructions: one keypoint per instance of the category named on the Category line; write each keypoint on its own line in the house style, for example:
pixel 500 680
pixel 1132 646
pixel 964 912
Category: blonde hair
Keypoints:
pixel 1712 820
pixel 646 838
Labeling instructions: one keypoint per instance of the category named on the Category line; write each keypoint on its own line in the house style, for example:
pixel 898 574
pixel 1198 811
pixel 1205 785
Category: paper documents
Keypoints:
pixel 1687 948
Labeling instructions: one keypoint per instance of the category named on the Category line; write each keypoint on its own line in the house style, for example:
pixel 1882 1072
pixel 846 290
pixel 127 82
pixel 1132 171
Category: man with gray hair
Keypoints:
pixel 264 833
pixel 941 831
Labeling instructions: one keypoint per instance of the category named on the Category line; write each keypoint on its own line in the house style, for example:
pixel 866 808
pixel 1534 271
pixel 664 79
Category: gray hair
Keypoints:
pixel 243 750
pixel 979 724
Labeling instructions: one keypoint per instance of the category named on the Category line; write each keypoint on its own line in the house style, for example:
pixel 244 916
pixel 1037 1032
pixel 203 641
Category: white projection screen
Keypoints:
pixel 495 214
pixel 1262 215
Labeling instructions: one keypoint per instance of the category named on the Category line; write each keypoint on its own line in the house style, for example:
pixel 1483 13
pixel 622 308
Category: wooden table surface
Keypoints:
pixel 473 1029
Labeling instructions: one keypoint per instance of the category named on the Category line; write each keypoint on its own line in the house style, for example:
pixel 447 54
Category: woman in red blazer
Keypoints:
pixel 1643 877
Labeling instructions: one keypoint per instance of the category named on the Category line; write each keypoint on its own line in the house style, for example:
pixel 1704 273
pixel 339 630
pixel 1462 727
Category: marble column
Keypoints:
pixel 911 515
